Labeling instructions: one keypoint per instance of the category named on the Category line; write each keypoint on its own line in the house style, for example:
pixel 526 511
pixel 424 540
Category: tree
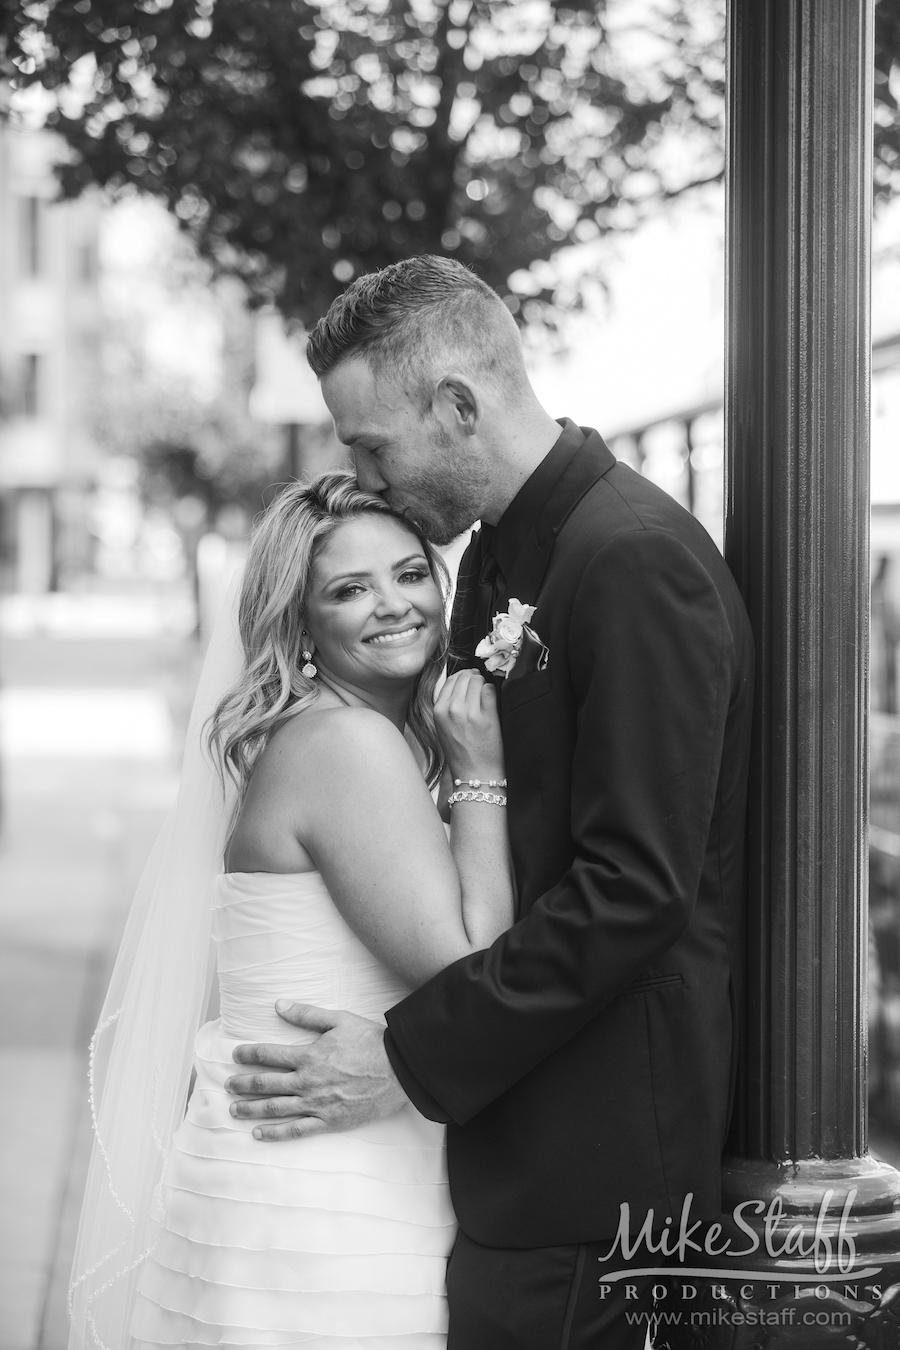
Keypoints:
pixel 887 108
pixel 300 143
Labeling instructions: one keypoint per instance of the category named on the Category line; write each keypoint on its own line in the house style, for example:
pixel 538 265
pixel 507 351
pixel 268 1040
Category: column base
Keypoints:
pixel 806 1257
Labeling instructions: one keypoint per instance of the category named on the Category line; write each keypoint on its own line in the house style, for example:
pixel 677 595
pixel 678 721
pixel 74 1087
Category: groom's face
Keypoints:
pixel 426 468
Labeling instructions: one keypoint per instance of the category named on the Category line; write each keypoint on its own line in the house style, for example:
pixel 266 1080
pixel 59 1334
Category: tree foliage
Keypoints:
pixel 887 98
pixel 301 143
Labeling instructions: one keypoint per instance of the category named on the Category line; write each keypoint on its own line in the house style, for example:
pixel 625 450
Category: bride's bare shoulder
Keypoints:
pixel 337 739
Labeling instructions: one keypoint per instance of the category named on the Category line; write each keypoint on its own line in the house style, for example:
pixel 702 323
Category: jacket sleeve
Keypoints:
pixel 651 664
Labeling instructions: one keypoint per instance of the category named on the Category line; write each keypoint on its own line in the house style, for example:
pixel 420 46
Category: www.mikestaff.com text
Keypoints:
pixel 733 1317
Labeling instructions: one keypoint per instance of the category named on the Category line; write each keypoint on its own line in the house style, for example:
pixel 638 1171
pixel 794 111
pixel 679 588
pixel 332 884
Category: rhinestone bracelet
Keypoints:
pixel 477 782
pixel 493 798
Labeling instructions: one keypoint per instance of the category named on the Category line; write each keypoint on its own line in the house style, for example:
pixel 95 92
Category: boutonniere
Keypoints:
pixel 500 649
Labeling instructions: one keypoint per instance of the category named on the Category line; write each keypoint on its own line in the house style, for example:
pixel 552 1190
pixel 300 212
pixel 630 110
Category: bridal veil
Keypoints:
pixel 141 1053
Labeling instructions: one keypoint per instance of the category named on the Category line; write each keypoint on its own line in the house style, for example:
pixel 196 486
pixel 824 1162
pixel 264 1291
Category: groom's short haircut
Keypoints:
pixel 414 317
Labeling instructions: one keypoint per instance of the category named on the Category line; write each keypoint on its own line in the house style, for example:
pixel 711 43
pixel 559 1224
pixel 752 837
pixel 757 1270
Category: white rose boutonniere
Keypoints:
pixel 500 649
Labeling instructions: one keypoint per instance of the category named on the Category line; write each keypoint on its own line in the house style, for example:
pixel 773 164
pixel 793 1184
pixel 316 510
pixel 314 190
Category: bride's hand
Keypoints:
pixel 468 726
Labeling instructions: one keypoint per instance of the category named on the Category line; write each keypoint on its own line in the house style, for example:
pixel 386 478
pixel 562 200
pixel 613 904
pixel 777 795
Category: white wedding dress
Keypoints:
pixel 333 1242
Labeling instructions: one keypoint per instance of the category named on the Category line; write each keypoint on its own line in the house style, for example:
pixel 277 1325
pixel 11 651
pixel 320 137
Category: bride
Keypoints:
pixel 339 888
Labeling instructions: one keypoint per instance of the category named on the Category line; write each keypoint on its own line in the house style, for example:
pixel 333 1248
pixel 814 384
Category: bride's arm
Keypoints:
pixel 369 822
pixel 469 729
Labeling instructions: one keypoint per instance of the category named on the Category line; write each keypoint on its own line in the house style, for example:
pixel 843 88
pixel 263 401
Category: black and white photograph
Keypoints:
pixel 450 674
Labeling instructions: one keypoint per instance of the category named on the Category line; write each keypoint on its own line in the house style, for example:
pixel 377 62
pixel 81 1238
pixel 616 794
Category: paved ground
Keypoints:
pixel 90 731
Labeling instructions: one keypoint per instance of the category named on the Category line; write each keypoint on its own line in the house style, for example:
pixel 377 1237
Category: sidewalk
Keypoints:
pixel 88 763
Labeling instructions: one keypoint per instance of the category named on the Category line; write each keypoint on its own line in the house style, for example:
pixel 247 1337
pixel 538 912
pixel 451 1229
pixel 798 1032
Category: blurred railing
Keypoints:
pixel 884 919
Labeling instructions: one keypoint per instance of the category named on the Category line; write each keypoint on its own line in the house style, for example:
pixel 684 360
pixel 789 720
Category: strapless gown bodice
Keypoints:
pixel 331 1242
pixel 282 937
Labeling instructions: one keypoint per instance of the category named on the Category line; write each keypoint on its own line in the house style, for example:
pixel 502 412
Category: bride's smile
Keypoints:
pixel 397 635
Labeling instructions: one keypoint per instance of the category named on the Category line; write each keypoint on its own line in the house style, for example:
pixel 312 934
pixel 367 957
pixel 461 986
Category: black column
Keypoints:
pixel 797 538
pixel 797 419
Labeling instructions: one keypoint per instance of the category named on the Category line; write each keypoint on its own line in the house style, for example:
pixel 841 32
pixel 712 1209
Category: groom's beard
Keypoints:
pixel 447 497
pixel 440 520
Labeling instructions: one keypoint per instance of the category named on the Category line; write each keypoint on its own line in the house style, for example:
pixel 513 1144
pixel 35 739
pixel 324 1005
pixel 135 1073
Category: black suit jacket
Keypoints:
pixel 586 1059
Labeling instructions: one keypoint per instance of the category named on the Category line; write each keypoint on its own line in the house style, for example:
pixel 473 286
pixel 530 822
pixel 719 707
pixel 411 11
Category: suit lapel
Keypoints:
pixel 591 460
pixel 527 573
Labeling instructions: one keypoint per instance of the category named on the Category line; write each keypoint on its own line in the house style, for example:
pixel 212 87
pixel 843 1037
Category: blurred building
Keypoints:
pixel 286 394
pixel 886 525
pixel 683 452
pixel 49 332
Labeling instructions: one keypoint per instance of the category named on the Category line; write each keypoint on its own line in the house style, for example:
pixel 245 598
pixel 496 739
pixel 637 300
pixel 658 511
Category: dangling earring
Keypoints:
pixel 308 669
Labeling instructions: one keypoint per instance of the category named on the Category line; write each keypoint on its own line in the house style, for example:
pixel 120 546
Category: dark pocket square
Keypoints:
pixel 533 656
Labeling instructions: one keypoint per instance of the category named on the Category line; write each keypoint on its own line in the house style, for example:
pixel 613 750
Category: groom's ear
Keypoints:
pixel 459 402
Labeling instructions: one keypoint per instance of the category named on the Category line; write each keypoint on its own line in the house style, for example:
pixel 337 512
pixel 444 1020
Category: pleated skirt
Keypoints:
pixel 338 1241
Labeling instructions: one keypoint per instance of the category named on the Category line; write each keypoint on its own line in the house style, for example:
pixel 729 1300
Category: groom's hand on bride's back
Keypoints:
pixel 341 1080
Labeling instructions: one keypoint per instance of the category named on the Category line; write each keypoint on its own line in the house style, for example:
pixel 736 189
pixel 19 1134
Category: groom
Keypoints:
pixel 585 1063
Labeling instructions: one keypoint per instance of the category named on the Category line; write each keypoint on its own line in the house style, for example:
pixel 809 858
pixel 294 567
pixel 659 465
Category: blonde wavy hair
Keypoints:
pixel 272 687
